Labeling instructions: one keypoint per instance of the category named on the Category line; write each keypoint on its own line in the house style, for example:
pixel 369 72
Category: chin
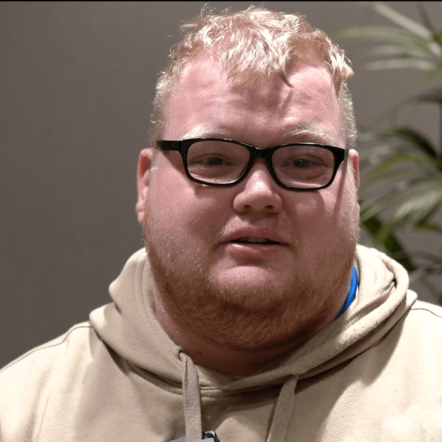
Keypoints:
pixel 250 306
pixel 247 275
pixel 251 289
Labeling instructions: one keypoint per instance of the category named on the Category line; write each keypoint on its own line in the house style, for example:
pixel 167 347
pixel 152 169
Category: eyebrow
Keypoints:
pixel 203 131
pixel 311 133
pixel 308 132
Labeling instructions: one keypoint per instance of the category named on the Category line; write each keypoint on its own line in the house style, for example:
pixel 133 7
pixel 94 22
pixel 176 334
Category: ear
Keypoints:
pixel 143 172
pixel 353 157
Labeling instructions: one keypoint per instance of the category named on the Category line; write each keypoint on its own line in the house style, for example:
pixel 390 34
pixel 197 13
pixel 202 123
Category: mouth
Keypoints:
pixel 253 240
pixel 254 244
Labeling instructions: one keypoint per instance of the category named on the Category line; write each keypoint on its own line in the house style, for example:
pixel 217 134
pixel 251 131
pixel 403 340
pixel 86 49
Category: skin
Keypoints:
pixel 234 307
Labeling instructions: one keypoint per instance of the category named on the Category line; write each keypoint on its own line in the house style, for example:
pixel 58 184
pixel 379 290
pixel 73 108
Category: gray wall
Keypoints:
pixel 77 82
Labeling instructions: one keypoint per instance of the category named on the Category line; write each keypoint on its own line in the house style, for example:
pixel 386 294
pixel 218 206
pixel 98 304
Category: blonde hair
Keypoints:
pixel 254 44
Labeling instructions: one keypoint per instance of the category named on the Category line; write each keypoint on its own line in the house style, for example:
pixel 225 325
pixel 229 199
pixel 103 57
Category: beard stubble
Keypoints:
pixel 238 317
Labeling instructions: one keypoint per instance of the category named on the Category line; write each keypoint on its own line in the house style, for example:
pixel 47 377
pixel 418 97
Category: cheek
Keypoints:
pixel 166 196
pixel 322 212
pixel 344 203
pixel 309 209
pixel 182 208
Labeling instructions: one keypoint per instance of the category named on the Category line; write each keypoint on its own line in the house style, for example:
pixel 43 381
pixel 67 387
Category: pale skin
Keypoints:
pixel 200 220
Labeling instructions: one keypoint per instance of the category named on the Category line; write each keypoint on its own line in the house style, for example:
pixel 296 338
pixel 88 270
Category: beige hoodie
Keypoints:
pixel 374 374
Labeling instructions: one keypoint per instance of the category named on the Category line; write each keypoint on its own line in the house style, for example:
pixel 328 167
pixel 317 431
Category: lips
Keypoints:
pixel 254 236
pixel 253 240
pixel 249 244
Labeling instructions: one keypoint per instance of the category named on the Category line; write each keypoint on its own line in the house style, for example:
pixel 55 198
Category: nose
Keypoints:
pixel 258 192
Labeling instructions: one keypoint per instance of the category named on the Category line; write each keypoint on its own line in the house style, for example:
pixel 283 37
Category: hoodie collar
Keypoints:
pixel 129 326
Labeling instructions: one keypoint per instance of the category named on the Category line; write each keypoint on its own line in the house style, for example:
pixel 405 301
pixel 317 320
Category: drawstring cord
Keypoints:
pixel 283 410
pixel 192 405
pixel 192 400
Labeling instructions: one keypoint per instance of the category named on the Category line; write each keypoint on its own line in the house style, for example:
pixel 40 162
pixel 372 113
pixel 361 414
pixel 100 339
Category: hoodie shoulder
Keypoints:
pixel 425 319
pixel 27 383
pixel 427 308
pixel 49 352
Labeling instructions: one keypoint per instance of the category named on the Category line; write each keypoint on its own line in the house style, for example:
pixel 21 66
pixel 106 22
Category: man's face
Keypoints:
pixel 195 234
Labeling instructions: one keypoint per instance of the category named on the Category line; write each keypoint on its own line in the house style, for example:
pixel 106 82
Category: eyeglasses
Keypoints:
pixel 224 162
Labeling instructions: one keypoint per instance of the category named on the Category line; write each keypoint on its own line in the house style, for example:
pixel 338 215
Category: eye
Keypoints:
pixel 210 161
pixel 302 163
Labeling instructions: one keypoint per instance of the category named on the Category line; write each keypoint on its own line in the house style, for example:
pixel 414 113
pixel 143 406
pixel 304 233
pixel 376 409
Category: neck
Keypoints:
pixel 221 358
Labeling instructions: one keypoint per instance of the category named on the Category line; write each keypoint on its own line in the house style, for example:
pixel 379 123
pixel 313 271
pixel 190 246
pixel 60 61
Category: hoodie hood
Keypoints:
pixel 129 327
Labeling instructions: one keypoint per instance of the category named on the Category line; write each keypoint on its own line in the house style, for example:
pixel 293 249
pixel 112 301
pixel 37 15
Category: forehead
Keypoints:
pixel 206 102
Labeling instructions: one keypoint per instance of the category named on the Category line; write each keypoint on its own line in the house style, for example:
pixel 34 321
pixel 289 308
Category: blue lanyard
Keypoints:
pixel 351 293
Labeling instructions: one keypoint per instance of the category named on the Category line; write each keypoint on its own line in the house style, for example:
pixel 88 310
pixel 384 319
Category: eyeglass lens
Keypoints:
pixel 216 161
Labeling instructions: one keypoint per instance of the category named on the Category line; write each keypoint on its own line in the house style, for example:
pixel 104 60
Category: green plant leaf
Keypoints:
pixel 398 184
pixel 426 225
pixel 414 211
pixel 412 136
pixel 413 40
pixel 391 244
pixel 400 63
pixel 403 188
pixel 432 72
pixel 425 18
pixel 396 180
pixel 407 23
pixel 400 50
pixel 381 33
pixel 431 96
pixel 437 36
pixel 398 160
pixel 376 206
pixel 419 207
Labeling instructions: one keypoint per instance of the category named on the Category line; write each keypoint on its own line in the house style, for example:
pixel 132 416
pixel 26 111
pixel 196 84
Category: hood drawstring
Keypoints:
pixel 192 405
pixel 192 400
pixel 283 410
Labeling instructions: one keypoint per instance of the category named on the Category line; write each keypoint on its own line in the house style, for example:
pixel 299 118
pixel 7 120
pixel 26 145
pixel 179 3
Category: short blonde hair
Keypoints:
pixel 254 44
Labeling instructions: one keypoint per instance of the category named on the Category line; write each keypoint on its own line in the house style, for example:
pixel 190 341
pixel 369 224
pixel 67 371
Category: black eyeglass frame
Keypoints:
pixel 182 146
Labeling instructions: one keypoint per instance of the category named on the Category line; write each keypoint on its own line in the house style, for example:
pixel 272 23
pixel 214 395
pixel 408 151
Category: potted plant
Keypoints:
pixel 402 169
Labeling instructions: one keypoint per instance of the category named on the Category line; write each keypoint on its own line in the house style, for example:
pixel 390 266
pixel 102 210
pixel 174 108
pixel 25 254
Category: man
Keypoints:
pixel 251 315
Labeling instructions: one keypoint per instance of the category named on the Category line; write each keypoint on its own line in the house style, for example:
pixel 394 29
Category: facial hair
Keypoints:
pixel 239 317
